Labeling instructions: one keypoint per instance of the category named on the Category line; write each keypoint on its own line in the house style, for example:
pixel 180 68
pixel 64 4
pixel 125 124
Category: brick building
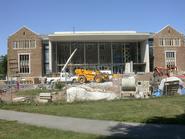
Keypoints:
pixel 34 55
pixel 169 48
pixel 25 54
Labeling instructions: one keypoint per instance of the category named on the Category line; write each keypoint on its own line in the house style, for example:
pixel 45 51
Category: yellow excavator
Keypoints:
pixel 85 75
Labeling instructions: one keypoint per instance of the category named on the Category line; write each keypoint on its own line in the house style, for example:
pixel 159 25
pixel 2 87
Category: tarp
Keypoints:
pixel 83 94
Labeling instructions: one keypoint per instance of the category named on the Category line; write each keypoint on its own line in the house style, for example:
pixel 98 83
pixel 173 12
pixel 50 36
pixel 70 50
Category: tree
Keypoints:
pixel 3 67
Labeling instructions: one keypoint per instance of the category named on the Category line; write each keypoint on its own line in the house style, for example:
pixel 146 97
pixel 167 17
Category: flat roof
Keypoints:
pixel 98 36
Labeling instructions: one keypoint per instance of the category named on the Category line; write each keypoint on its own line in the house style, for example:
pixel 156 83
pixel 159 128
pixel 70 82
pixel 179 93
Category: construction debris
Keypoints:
pixel 85 93
pixel 46 96
pixel 42 100
pixel 19 99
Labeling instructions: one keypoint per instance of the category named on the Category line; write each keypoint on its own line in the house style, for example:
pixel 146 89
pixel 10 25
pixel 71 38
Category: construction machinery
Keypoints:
pixel 164 72
pixel 82 75
pixel 64 76
pixel 85 75
pixel 160 73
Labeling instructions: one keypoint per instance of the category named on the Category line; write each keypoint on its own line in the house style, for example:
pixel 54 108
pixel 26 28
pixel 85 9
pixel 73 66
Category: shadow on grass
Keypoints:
pixel 153 128
pixel 179 119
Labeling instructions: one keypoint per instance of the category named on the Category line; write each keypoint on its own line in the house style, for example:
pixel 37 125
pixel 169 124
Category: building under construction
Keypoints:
pixel 34 55
pixel 99 50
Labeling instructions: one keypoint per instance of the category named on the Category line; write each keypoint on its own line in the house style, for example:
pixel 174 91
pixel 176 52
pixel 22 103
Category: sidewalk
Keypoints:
pixel 99 127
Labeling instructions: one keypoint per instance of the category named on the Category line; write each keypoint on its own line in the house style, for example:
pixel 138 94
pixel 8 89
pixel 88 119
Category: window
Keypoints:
pixel 169 41
pixel 47 71
pixel 170 54
pixel 161 42
pixel 102 57
pixel 150 42
pixel 24 63
pixel 14 45
pixel 24 44
pixel 177 42
pixel 46 56
pixel 32 43
pixel 102 47
pixel 170 59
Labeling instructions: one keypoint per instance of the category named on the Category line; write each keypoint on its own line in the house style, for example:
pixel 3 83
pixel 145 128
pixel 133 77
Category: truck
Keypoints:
pixel 64 76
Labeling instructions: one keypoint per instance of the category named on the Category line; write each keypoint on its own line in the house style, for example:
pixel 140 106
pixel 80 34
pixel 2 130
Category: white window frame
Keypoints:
pixel 169 41
pixel 29 62
pixel 167 58
pixel 21 44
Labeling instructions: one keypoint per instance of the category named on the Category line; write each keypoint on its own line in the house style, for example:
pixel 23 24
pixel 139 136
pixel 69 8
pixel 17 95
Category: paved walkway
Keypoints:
pixel 107 128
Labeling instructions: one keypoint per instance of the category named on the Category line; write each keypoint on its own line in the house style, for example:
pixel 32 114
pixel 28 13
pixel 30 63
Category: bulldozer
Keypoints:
pixel 85 75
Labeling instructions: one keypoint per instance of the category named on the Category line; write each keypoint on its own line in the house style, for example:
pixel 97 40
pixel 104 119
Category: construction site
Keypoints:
pixel 91 85
pixel 95 65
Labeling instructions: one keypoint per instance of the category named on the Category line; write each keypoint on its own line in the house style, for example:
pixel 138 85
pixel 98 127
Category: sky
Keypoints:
pixel 48 16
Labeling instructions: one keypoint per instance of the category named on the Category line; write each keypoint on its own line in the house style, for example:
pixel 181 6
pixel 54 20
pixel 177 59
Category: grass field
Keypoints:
pixel 14 130
pixel 156 110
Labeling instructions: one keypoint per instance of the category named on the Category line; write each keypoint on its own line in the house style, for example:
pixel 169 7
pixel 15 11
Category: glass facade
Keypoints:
pixel 96 55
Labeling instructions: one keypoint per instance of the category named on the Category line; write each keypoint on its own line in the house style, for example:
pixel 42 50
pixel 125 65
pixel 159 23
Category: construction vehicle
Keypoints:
pixel 82 75
pixel 85 75
pixel 64 76
pixel 164 72
pixel 161 73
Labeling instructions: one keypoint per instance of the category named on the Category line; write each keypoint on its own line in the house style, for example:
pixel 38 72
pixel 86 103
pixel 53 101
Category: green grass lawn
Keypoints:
pixel 14 130
pixel 155 110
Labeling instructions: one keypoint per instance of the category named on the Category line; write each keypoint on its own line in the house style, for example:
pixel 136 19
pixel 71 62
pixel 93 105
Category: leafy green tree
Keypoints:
pixel 3 67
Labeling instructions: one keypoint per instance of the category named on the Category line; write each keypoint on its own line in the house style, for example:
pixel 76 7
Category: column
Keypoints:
pixel 137 58
pixel 124 53
pixel 50 56
pixel 84 54
pixel 70 48
pixel 147 57
pixel 56 57
pixel 98 53
pixel 145 51
pixel 111 57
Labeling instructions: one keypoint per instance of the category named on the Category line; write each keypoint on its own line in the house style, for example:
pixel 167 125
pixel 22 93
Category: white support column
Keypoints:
pixel 50 56
pixel 146 56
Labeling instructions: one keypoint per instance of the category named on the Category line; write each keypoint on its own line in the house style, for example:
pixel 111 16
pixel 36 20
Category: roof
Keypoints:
pixel 99 35
pixel 167 27
pixel 24 27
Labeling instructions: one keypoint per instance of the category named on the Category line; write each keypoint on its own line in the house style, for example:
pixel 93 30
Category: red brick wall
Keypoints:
pixel 35 53
pixel 159 51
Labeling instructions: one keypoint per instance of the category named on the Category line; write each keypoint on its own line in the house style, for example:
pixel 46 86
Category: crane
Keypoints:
pixel 69 59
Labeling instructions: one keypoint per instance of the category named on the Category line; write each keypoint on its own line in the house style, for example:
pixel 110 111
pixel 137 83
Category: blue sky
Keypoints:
pixel 47 16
